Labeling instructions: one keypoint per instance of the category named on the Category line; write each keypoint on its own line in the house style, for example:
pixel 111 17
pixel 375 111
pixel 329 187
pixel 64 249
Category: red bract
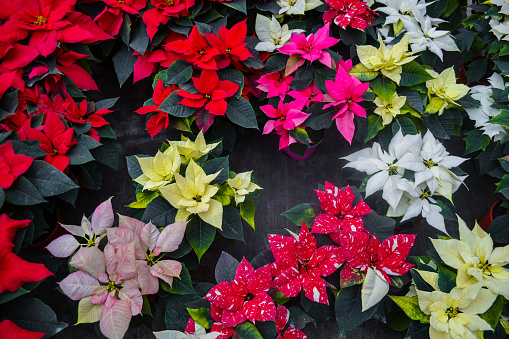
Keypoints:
pixel 212 93
pixel 15 271
pixel 300 265
pixel 282 316
pixel 353 13
pixel 243 298
pixel 11 165
pixel 49 22
pixel 12 331
pixel 66 63
pixel 110 19
pixel 163 11
pixel 195 50
pixel 230 43
pixel 56 139
pixel 387 258
pixel 15 57
pixel 340 213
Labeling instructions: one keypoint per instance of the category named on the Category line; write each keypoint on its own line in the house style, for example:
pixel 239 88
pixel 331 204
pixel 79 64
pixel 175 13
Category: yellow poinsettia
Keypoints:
pixel 158 171
pixel 387 61
pixel 443 91
pixel 456 314
pixel 193 194
pixel 389 109
pixel 242 186
pixel 189 149
pixel 476 260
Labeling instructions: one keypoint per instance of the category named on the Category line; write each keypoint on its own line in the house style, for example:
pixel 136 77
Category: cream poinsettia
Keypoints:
pixel 389 109
pixel 189 149
pixel 387 61
pixel 476 260
pixel 443 91
pixel 242 186
pixel 193 194
pixel 271 34
pixel 158 171
pixel 294 7
pixel 456 314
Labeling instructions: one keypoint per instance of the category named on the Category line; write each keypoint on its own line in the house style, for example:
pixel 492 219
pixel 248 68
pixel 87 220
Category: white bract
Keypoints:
pixel 271 34
pixel 297 6
pixel 500 29
pixel 502 3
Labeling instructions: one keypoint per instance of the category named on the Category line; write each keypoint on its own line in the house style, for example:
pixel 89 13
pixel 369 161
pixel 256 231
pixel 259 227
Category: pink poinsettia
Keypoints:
pixel 353 13
pixel 243 298
pixel 345 92
pixel 275 84
pixel 282 317
pixel 339 212
pixel 300 265
pixel 311 47
pixel 310 94
pixel 288 117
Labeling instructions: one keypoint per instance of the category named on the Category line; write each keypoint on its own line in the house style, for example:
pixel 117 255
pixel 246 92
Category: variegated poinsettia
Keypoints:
pixel 192 331
pixel 282 316
pixel 245 297
pixel 366 256
pixel 300 265
pixel 339 212
pixel 91 232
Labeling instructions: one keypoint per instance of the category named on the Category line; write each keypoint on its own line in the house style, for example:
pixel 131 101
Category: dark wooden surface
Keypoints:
pixel 286 183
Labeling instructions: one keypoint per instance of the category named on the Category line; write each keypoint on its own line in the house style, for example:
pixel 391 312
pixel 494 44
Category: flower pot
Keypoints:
pixel 307 154
pixel 495 211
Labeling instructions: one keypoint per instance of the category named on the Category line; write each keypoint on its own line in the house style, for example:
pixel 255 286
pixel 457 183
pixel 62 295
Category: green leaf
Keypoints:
pixel 106 103
pixel 90 177
pixel 225 194
pixel 143 199
pixel 2 197
pixel 320 118
pixel 303 77
pixel 503 186
pixel 417 330
pixel 441 126
pixel 8 296
pixel 363 73
pixel 232 224
pixel 476 140
pixel 176 315
pixel 410 305
pixel 241 112
pixel 8 104
pixel 502 118
pixel 404 124
pixel 23 192
pixel 200 235
pixel 375 124
pixel 234 76
pixel 413 74
pixel 133 165
pixel 247 330
pixel 384 88
pixel 145 309
pixel 201 316
pixel 488 160
pixel 182 285
pixel 107 154
pixel 299 318
pixel 79 155
pixel 348 309
pixel 171 106
pixel 239 5
pixel 218 165
pixel 160 212
pixel 499 229
pixel 300 135
pixel 247 212
pixel 226 268
pixel 300 213
pixel 446 280
pixel 88 142
pixel 322 75
pixel 464 39
pixel 179 72
pixel 436 8
pixel 420 283
pixel 413 99
pixel 476 70
pixel 123 62
pixel 140 39
pixel 34 315
pixel 492 315
pixel 275 63
pixel 48 180
pixel 28 147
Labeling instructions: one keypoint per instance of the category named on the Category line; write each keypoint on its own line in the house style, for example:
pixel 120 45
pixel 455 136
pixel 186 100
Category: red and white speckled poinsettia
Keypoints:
pixel 300 265
pixel 282 316
pixel 245 297
pixel 353 13
pixel 339 212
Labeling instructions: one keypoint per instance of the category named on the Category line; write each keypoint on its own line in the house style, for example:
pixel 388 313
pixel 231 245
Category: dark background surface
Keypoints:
pixel 285 181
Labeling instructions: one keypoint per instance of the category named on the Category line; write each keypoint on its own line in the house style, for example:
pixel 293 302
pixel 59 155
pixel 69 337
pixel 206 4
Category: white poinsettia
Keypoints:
pixel 399 10
pixel 437 173
pixel 418 201
pixel 199 333
pixel 387 168
pixel 424 36
pixel 271 34
pixel 482 114
pixel 297 6
pixel 502 3
pixel 500 29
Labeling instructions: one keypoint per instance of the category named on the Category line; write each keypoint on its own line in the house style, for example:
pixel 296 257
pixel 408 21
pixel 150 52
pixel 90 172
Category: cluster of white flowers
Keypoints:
pixel 410 195
pixel 409 17
pixel 482 114
pixel 499 24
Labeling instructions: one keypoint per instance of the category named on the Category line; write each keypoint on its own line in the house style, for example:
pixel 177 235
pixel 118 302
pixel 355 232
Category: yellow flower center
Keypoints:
pixel 485 267
pixel 169 2
pixel 425 194
pixel 151 260
pixel 429 163
pixel 40 20
pixel 452 312
pixel 112 286
pixel 393 169
pixel 121 2
pixel 228 49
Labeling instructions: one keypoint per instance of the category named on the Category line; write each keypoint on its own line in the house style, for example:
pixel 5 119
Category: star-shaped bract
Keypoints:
pixel 300 265
pixel 339 212
pixel 11 165
pixel 230 43
pixel 353 13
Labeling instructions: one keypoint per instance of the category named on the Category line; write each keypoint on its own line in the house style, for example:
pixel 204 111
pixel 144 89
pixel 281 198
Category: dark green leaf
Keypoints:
pixel 322 75
pixel 303 77
pixel 300 135
pixel 468 102
pixel 375 124
pixel 88 142
pixel 420 283
pixel 234 76
pixel 239 5
pixel 247 330
pixel 441 126
pixel 348 309
pixel 182 285
pixel 413 99
pixel 8 296
pixel 476 140
pixel 160 212
pixel 384 88
pixel 179 72
pixel 275 63
pixel 298 318
pixel 23 192
pixel 123 62
pixel 300 213
pixel 79 155
pixel 34 315
pixel 200 235
pixel 140 39
pixel 501 119
pixel 8 104
pixel 413 74
pixel 404 124
pixel 241 112
pixel 226 267
pixel 106 103
pixel 464 39
pixel 218 165
pixel 232 224
pixel 476 70
pixel 416 330
pixel 90 177
pixel 436 8
pixel 48 180
pixel 380 226
pixel 488 160
pixel 171 106
pixel 320 118
pixel 133 166
pixel 107 154
pixel 499 229
pixel 446 279
pixel 28 147
pixel 492 315
pixel 2 197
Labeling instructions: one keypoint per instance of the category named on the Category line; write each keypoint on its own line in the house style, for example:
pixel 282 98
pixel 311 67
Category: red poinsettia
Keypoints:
pixel 353 13
pixel 56 139
pixel 14 57
pixel 282 316
pixel 12 331
pixel 363 250
pixel 339 212
pixel 66 63
pixel 11 165
pixel 15 271
pixel 162 12
pixel 111 18
pixel 195 50
pixel 300 265
pixel 243 298
pixel 49 22
pixel 212 93
pixel 230 43
pixel 159 120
